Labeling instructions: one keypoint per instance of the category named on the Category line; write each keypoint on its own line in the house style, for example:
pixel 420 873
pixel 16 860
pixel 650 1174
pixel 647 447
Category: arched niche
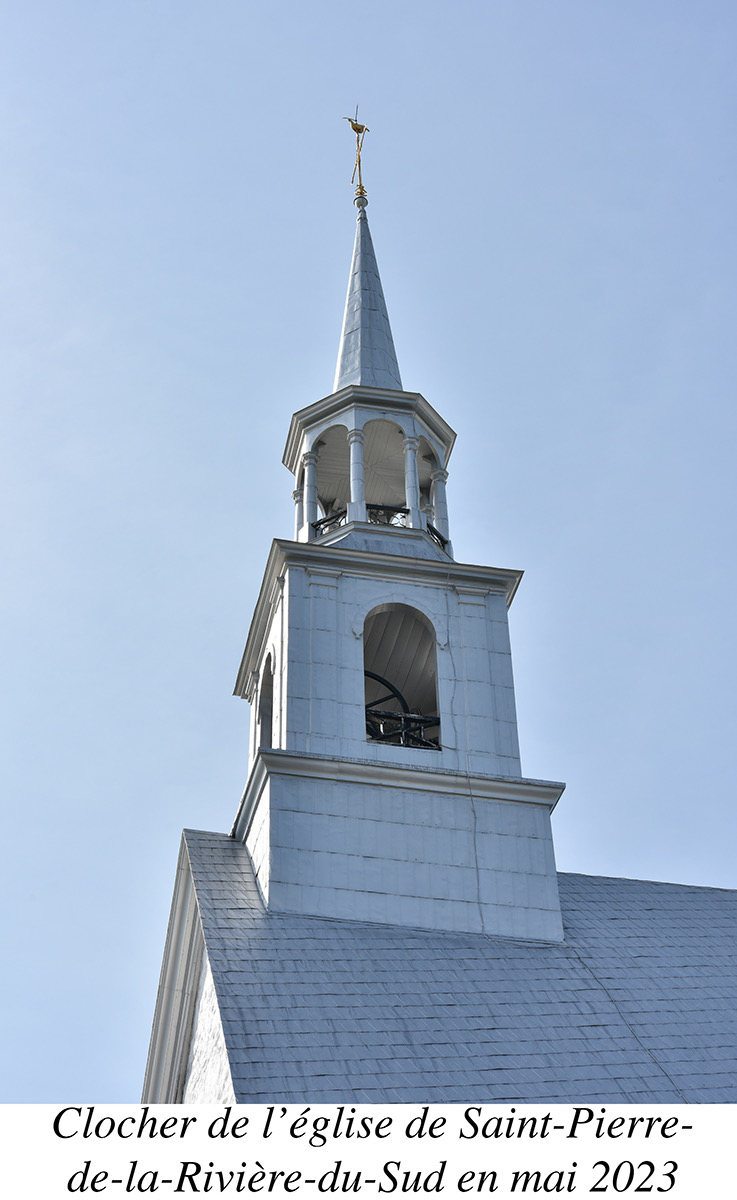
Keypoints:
pixel 266 706
pixel 400 677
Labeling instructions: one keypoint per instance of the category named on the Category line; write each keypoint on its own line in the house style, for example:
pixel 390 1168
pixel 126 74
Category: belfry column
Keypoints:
pixel 440 503
pixel 357 502
pixel 412 482
pixel 299 512
pixel 309 461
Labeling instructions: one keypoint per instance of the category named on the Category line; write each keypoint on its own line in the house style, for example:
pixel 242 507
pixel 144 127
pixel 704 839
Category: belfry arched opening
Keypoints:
pixel 400 678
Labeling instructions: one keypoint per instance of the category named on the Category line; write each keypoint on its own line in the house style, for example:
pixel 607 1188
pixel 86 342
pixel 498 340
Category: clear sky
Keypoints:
pixel 552 202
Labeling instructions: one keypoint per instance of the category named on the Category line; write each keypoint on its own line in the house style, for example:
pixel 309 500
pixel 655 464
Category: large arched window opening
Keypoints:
pixel 400 678
pixel 266 706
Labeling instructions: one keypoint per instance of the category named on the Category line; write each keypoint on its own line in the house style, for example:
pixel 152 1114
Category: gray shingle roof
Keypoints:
pixel 638 1003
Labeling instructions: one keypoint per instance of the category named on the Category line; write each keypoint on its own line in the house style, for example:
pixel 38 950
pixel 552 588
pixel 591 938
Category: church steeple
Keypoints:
pixel 366 355
pixel 385 782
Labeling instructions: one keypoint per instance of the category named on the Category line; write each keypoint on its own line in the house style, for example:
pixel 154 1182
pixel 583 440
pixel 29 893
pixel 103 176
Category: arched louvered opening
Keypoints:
pixel 266 706
pixel 400 678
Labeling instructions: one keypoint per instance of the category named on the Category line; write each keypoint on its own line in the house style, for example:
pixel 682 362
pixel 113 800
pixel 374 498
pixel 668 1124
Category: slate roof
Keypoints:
pixel 638 1003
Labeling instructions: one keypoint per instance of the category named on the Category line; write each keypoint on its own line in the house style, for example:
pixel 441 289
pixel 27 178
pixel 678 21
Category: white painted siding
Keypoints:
pixel 324 695
pixel 208 1078
pixel 408 856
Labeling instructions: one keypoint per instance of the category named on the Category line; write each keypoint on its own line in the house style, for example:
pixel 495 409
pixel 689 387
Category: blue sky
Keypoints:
pixel 552 199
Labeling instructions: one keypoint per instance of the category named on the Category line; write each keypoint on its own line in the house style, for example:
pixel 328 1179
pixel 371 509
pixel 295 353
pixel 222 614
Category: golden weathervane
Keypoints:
pixel 360 132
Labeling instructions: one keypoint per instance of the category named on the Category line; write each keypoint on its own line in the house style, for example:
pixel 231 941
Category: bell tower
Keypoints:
pixel 384 778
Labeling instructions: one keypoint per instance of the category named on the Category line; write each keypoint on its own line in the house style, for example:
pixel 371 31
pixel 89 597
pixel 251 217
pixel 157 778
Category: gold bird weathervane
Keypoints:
pixel 360 132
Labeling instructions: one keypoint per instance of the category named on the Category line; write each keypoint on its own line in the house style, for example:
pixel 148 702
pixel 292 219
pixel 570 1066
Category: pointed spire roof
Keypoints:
pixel 366 354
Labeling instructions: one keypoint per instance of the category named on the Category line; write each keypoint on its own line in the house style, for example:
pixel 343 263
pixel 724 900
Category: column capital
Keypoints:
pixel 439 473
pixel 410 443
pixel 355 435
pixel 310 457
pixel 297 495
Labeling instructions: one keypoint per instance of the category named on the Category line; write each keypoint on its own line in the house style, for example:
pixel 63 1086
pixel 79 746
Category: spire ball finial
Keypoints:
pixel 360 132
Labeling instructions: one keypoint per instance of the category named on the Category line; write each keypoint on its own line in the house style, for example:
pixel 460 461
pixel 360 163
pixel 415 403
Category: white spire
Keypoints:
pixel 366 354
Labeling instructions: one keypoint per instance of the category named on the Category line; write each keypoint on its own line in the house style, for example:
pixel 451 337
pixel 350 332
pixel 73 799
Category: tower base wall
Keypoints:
pixel 427 849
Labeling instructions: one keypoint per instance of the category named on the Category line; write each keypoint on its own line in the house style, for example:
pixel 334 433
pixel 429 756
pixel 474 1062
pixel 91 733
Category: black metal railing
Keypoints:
pixel 387 514
pixel 401 728
pixel 437 536
pixel 376 514
pixel 331 521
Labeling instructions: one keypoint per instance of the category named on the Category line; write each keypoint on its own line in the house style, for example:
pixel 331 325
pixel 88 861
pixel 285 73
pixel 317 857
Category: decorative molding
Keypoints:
pixel 355 396
pixel 409 777
pixel 471 595
pixel 324 576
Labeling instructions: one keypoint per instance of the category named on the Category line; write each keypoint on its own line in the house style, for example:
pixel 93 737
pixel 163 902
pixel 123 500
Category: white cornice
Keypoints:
pixel 354 397
pixel 409 777
pixel 389 567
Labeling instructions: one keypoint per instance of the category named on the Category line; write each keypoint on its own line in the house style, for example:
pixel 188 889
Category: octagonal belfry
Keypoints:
pixel 369 456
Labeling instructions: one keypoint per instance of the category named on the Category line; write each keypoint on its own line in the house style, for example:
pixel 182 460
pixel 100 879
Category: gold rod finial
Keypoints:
pixel 360 132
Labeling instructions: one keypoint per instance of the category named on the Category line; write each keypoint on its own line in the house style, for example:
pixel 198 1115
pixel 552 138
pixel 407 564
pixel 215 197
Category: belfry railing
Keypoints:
pixel 387 514
pixel 437 536
pixel 376 514
pixel 331 521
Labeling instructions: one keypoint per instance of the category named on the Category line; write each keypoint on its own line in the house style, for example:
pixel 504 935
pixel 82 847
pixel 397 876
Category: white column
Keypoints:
pixel 357 502
pixel 440 504
pixel 412 482
pixel 299 512
pixel 309 461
